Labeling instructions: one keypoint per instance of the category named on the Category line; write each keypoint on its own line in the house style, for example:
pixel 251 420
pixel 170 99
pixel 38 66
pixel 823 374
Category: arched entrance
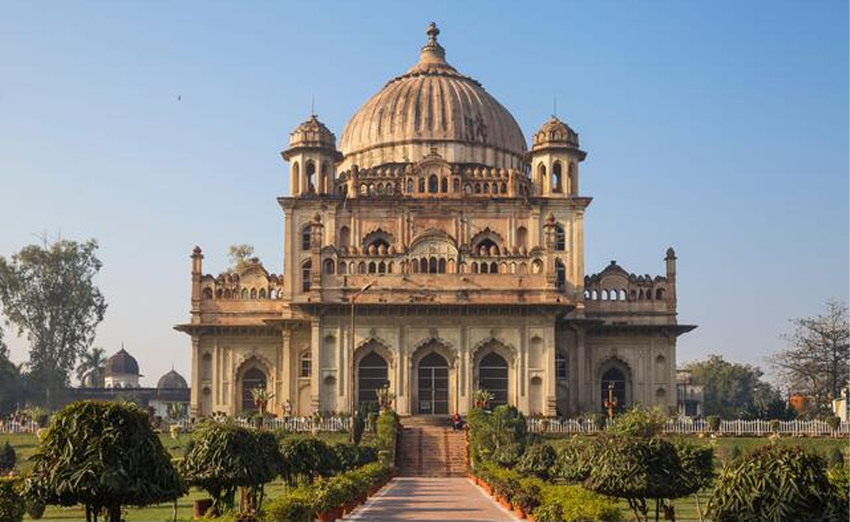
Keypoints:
pixel 251 379
pixel 433 388
pixel 493 377
pixel 614 385
pixel 371 375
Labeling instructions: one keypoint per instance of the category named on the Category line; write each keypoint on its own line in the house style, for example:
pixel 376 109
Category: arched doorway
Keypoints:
pixel 433 388
pixel 251 379
pixel 613 385
pixel 493 377
pixel 371 375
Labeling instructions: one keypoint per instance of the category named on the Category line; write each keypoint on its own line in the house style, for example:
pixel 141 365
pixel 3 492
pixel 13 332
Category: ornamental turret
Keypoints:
pixel 555 155
pixel 312 155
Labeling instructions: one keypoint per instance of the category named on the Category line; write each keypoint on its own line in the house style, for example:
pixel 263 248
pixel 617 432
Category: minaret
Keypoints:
pixel 197 273
pixel 671 281
pixel 312 156
pixel 555 156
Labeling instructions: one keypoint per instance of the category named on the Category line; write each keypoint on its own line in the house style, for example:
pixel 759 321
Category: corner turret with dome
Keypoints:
pixel 122 370
pixel 465 253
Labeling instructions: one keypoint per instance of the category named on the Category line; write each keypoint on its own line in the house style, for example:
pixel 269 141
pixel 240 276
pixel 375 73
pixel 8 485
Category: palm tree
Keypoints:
pixel 92 361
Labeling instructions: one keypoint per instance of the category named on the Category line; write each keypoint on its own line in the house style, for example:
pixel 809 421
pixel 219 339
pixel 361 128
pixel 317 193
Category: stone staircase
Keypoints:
pixel 430 448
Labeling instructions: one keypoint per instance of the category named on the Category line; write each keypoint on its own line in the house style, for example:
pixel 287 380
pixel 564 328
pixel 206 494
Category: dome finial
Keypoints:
pixel 432 52
pixel 432 32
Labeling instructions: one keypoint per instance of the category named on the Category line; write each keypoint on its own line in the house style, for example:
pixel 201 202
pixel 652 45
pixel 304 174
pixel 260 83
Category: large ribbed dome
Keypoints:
pixel 432 105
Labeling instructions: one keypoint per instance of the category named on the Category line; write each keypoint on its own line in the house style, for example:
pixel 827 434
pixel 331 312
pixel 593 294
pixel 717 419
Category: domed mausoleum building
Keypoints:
pixel 431 251
pixel 121 371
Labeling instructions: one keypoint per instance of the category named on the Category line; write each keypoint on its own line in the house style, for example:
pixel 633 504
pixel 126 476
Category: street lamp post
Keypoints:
pixel 352 402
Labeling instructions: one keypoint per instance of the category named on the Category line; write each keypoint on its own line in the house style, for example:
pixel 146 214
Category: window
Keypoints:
pixel 433 184
pixel 557 181
pixel 253 378
pixel 522 237
pixel 444 185
pixel 306 237
pixel 560 238
pixel 306 269
pixel 560 276
pixel 560 366
pixel 311 176
pixel 329 266
pixel 493 377
pixel 344 237
pixel 614 385
pixel 306 367
pixel 421 184
pixel 371 375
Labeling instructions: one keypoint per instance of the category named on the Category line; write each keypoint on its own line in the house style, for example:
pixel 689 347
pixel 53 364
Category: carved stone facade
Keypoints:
pixel 435 254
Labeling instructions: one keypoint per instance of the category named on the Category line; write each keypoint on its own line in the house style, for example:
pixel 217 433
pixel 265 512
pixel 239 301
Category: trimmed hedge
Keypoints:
pixel 306 502
pixel 12 505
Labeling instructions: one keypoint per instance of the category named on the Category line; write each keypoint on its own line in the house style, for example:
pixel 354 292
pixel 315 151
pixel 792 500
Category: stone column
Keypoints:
pixel 285 370
pixel 550 379
pixel 195 406
pixel 315 377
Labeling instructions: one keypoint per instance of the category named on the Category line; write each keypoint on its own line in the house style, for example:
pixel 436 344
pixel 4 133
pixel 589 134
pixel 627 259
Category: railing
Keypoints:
pixel 18 427
pixel 727 427
pixel 293 424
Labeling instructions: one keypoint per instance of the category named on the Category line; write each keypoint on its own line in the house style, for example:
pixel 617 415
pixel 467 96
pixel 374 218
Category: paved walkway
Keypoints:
pixel 427 499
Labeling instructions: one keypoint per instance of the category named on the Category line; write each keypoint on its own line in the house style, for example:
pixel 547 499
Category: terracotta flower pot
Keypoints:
pixel 519 512
pixel 327 516
pixel 530 517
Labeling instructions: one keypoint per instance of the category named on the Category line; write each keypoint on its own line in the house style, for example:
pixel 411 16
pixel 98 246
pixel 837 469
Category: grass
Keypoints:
pixel 25 445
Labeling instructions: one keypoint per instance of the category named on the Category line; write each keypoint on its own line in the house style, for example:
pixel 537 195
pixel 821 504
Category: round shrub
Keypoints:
pixel 508 456
pixel 713 422
pixel 102 455
pixel 226 456
pixel 7 458
pixel 538 460
pixel 775 483
pixel 12 505
pixel 297 505
pixel 306 458
pixel 572 462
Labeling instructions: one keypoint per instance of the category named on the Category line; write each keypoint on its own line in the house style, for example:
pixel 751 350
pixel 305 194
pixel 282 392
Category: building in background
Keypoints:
pixel 689 395
pixel 464 252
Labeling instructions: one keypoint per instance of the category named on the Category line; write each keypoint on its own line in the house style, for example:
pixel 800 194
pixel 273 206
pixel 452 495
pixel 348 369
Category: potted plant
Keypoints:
pixel 261 397
pixel 385 398
pixel 482 398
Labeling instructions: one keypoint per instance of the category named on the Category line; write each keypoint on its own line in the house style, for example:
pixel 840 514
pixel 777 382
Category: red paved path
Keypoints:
pixel 427 499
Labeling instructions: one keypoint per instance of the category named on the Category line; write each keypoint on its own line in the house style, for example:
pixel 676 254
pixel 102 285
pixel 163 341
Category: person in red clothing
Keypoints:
pixel 457 422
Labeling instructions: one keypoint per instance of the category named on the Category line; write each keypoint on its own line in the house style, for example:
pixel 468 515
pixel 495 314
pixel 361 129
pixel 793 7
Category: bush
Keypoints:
pixel 349 456
pixel 102 455
pixel 713 422
pixel 836 457
pixel 640 422
pixel 306 458
pixel 305 502
pixel 839 477
pixel 538 460
pixel 35 509
pixel 773 424
pixel 833 421
pixel 489 432
pixel 574 503
pixel 226 456
pixel 7 458
pixel 775 483
pixel 388 423
pixel 735 453
pixel 508 456
pixel 572 462
pixel 12 505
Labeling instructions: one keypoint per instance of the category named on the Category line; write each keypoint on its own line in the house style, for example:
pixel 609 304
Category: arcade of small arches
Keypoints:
pixel 620 294
pixel 558 184
pixel 306 182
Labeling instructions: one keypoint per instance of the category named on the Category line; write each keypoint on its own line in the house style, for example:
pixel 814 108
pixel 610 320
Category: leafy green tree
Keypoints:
pixel 48 293
pixel 240 256
pixel 102 455
pixel 8 457
pixel 640 422
pixel 816 361
pixel 92 362
pixel 306 458
pixel 776 482
pixel 538 460
pixel 226 457
pixel 728 388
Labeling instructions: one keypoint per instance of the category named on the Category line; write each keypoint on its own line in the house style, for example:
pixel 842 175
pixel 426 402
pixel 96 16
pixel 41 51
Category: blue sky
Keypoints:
pixel 720 128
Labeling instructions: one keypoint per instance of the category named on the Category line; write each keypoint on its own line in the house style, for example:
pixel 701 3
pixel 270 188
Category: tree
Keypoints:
pixel 48 292
pixel 728 388
pixel 93 363
pixel 11 381
pixel 816 361
pixel 225 457
pixel 102 455
pixel 240 256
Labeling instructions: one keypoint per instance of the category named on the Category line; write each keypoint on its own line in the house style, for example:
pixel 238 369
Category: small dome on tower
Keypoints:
pixel 122 363
pixel 311 134
pixel 172 379
pixel 555 132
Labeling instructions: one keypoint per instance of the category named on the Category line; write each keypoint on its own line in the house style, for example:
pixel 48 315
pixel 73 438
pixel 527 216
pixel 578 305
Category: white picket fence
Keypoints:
pixel 18 427
pixel 684 426
pixel 293 424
